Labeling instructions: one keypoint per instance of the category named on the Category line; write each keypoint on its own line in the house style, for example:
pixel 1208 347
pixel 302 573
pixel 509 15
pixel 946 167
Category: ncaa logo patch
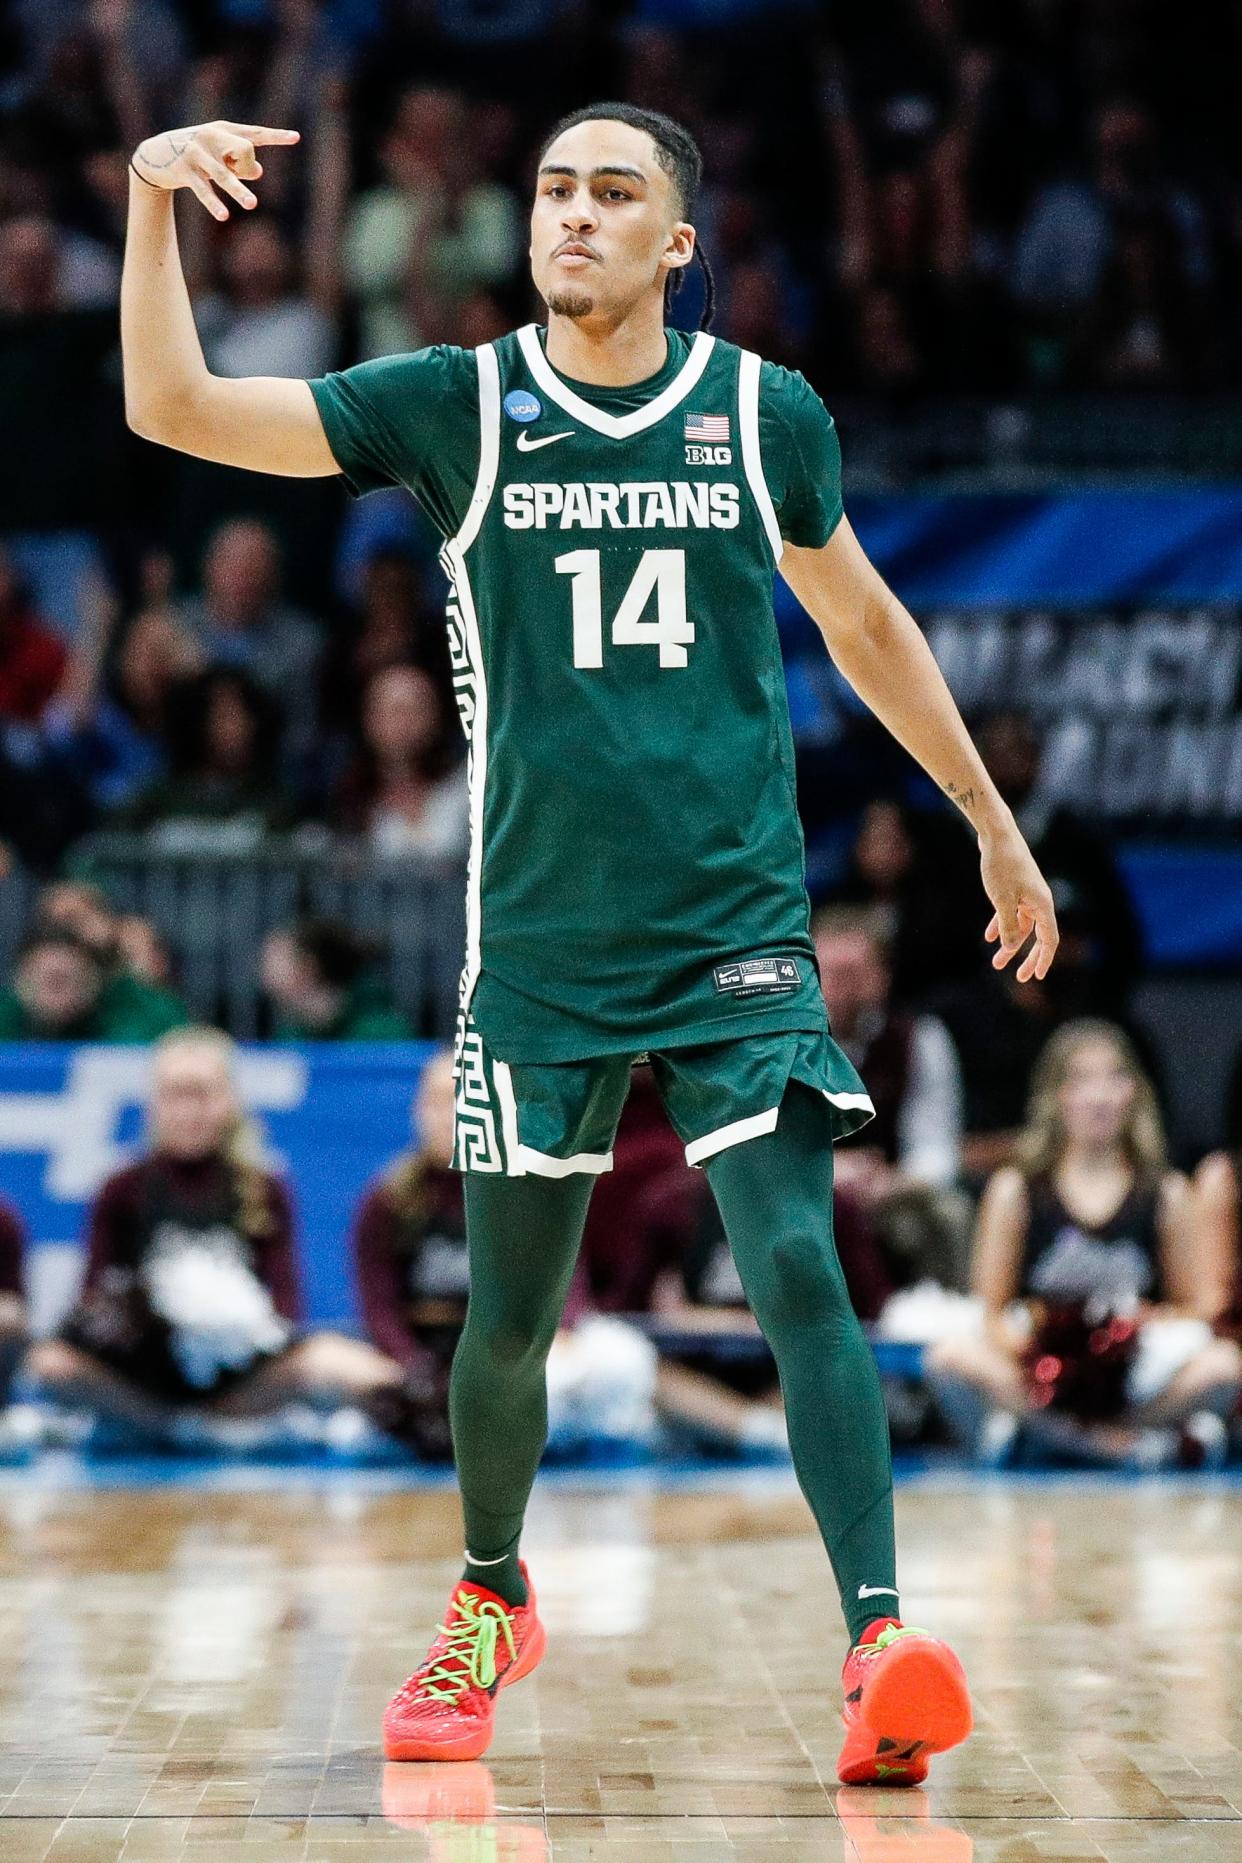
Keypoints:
pixel 521 405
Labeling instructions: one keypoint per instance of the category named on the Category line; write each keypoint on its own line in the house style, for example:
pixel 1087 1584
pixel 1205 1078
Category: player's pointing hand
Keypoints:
pixel 208 156
pixel 1023 904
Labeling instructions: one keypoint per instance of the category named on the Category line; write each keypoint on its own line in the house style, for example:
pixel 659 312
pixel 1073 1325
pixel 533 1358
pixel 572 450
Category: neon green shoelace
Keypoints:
pixel 469 1659
pixel 889 1635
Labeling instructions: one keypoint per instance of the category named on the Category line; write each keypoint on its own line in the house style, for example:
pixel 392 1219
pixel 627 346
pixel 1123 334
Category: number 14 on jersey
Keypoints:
pixel 662 572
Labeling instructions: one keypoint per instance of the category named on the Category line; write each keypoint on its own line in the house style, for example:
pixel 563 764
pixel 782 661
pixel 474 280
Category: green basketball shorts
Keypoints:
pixel 557 1118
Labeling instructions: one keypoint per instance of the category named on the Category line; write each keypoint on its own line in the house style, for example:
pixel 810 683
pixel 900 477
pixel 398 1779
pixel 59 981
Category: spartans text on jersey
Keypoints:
pixel 646 504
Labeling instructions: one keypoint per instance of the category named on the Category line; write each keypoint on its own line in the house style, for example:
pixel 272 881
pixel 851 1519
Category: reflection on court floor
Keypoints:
pixel 198 1670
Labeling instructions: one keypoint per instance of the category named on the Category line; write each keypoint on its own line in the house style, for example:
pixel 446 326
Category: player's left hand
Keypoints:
pixel 1023 904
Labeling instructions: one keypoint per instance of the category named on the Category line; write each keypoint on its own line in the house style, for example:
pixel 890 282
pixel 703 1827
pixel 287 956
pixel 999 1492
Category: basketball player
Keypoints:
pixel 614 498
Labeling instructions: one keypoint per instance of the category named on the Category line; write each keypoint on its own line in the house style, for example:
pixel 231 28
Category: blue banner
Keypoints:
pixel 332 1117
pixel 1074 550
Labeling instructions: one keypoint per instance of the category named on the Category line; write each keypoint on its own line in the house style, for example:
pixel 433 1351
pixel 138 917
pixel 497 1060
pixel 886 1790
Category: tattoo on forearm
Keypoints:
pixel 965 798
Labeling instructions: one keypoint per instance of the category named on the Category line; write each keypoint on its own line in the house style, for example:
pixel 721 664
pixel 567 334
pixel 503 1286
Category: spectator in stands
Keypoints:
pixel 1077 860
pixel 1096 1284
pixel 56 345
pixel 143 1006
pixel 918 872
pixel 905 1163
pixel 1217 1187
pixel 410 1263
pixel 1076 221
pixel 189 1306
pixel 57 993
pixel 109 718
pixel 14 1337
pixel 406 793
pixel 413 1276
pixel 393 623
pixel 320 984
pixel 433 231
pixel 241 620
pixel 644 1213
pixel 732 1397
pixel 144 951
pixel 32 656
pixel 258 322
pixel 43 807
pixel 221 790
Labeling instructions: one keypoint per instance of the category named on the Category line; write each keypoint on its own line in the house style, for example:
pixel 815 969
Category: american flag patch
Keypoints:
pixel 713 428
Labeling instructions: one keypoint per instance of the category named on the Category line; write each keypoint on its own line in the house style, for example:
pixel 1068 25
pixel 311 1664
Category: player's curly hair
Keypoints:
pixel 679 156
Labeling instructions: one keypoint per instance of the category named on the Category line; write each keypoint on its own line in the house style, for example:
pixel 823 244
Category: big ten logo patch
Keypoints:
pixel 697 455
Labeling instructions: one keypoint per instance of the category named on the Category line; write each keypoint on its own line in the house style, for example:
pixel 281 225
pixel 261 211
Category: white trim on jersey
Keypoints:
pixel 615 426
pixel 455 553
pixel 752 457
pixel 851 1102
pixel 489 444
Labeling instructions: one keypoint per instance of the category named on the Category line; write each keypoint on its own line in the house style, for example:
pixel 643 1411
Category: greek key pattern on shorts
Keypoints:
pixel 477 1134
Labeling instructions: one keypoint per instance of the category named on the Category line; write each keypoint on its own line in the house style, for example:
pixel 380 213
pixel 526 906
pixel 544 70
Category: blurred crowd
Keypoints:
pixel 904 198
pixel 1089 1311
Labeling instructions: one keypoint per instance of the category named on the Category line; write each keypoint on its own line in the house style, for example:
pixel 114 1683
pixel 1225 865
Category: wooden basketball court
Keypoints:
pixel 198 1671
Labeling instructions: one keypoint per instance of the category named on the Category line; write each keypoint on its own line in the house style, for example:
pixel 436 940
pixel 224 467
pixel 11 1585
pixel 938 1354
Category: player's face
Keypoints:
pixel 1097 1095
pixel 605 227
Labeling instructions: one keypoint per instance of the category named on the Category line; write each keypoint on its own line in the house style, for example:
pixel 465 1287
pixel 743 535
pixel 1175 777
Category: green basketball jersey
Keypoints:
pixel 636 864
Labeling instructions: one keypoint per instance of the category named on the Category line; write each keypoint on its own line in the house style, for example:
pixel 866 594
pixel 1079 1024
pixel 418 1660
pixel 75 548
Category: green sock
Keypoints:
pixel 499 1571
pixel 775 1197
pixel 523 1236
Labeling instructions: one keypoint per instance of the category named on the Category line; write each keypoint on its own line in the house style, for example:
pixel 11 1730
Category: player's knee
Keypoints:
pixel 512 1344
pixel 804 1289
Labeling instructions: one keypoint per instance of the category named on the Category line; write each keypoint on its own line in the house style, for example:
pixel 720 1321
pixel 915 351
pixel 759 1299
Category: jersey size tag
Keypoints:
pixel 757 976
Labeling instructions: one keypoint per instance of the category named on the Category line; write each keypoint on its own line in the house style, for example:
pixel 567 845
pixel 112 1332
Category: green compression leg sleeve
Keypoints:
pixel 775 1197
pixel 523 1234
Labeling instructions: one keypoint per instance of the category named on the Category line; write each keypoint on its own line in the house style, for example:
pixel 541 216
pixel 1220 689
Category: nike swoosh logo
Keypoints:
pixel 527 443
pixel 875 1591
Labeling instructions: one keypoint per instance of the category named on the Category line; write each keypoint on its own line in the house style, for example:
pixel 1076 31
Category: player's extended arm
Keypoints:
pixel 879 649
pixel 260 421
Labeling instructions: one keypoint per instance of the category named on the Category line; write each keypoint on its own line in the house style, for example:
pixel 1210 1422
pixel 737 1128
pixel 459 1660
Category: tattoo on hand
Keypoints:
pixel 176 155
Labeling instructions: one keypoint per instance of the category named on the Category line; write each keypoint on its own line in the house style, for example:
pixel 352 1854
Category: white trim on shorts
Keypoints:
pixel 543 1164
pixel 521 1159
pixel 735 1134
pixel 760 1123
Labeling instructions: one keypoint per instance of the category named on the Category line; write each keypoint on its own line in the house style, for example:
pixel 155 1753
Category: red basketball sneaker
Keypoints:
pixel 447 1709
pixel 905 1699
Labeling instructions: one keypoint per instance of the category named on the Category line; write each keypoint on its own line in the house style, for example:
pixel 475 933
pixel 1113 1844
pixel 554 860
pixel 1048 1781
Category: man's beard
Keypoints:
pixel 570 304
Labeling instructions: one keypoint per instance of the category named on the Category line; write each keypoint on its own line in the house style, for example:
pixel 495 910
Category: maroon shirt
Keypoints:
pixel 386 1246
pixel 644 1212
pixel 119 1221
pixel 32 665
pixel 12 1249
